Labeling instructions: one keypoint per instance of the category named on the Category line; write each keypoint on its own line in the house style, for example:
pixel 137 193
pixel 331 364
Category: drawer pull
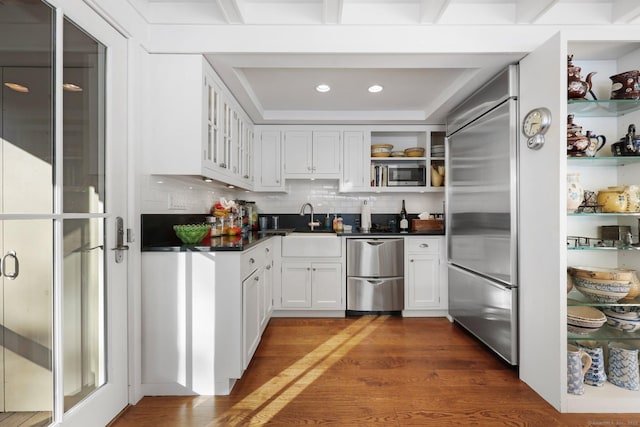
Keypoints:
pixel 410 260
pixel 424 245
pixel 252 261
pixel 257 278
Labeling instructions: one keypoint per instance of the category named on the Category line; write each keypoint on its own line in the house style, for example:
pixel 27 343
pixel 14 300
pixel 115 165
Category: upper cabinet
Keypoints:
pixel 268 155
pixel 197 128
pixel 312 154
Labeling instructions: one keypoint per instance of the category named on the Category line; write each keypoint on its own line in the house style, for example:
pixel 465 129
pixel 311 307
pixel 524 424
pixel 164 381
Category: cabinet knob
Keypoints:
pixel 266 250
pixel 277 181
pixel 268 266
pixel 308 268
pixel 424 245
pixel 309 168
pixel 257 278
pixel 252 261
pixel 410 260
pixel 246 177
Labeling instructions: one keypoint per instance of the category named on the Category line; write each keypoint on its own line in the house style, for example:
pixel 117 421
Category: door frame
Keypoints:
pixel 107 401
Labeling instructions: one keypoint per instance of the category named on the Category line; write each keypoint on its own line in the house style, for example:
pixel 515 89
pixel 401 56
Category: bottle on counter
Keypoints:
pixel 335 222
pixel 327 222
pixel 404 221
pixel 340 226
pixel 365 218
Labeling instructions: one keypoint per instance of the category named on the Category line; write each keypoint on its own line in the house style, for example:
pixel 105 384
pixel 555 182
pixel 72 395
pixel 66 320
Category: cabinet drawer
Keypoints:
pixel 252 260
pixel 423 245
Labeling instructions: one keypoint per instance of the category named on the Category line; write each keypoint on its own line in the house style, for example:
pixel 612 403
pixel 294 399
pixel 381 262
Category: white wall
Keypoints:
pixel 193 196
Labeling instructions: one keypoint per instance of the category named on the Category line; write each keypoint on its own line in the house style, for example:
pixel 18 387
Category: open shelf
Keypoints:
pixel 606 108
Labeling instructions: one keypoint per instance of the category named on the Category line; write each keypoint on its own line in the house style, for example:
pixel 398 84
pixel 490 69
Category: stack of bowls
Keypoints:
pixel 381 150
pixel 601 285
pixel 414 152
pixel 584 319
pixel 626 319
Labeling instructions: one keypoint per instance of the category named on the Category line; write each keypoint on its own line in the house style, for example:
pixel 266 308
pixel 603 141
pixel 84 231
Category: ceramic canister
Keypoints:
pixel 596 374
pixel 623 366
pixel 578 363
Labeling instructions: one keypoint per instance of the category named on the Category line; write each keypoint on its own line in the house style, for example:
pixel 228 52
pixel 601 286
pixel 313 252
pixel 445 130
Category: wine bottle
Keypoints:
pixel 404 222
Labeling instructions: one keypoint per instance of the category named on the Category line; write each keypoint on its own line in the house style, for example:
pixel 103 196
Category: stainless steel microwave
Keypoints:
pixel 406 176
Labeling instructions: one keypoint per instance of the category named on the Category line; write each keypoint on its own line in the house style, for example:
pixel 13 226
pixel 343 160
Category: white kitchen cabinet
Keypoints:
pixel 312 285
pixel 355 163
pixel 192 131
pixel 425 276
pixel 312 154
pixel 545 225
pixel 203 314
pixel 252 309
pixel 326 285
pixel 268 163
pixel 266 296
pixel 296 285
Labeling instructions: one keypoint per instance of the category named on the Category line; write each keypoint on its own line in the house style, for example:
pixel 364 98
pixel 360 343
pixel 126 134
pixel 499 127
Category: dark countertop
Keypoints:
pixel 214 244
pixel 242 243
pixel 393 234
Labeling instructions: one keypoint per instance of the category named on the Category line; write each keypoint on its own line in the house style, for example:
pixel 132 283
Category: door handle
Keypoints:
pixel 120 246
pixel 16 271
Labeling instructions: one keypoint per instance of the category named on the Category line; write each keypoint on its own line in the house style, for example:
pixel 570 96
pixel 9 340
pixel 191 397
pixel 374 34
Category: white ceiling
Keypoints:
pixel 277 87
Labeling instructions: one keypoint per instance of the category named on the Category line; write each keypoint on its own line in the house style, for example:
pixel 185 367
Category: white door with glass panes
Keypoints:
pixel 63 144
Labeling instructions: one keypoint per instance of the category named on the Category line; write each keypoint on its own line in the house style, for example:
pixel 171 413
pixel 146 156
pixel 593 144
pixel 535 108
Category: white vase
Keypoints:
pixel 575 192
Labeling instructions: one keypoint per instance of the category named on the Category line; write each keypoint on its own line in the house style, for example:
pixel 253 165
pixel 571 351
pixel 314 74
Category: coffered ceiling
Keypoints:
pixel 277 85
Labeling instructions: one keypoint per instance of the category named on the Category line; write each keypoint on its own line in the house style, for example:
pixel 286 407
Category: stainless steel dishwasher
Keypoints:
pixel 375 275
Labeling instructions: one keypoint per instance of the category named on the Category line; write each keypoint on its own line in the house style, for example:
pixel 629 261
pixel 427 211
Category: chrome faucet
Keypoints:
pixel 312 223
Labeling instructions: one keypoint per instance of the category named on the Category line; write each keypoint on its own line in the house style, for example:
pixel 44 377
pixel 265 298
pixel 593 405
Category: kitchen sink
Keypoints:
pixel 315 244
pixel 307 231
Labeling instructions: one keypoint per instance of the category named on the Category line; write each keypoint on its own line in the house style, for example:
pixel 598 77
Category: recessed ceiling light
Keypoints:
pixel 207 179
pixel 70 87
pixel 17 87
pixel 375 88
pixel 323 88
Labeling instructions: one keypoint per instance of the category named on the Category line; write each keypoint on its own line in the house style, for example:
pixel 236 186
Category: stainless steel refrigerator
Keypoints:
pixel 482 219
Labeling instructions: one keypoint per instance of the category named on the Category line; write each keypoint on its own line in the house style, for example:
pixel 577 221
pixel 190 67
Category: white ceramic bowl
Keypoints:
pixel 622 321
pixel 601 290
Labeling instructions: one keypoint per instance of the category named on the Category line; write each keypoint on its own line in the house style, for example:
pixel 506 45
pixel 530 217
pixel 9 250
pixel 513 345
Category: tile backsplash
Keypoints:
pixel 172 194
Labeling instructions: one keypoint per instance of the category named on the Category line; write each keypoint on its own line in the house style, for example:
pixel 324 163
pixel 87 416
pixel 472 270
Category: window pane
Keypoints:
pixel 26 107
pixel 27 301
pixel 83 122
pixel 83 354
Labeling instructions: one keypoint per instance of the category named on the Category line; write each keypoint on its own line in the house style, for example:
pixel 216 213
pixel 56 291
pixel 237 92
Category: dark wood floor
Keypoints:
pixel 372 370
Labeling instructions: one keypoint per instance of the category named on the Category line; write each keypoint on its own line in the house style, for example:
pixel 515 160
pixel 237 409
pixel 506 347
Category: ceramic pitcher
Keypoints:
pixel 578 363
pixel 596 374
pixel 623 366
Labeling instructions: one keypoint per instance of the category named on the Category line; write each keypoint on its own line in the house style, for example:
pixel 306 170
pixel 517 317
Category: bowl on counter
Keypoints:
pixel 625 319
pixel 414 152
pixel 191 234
pixel 584 320
pixel 381 150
